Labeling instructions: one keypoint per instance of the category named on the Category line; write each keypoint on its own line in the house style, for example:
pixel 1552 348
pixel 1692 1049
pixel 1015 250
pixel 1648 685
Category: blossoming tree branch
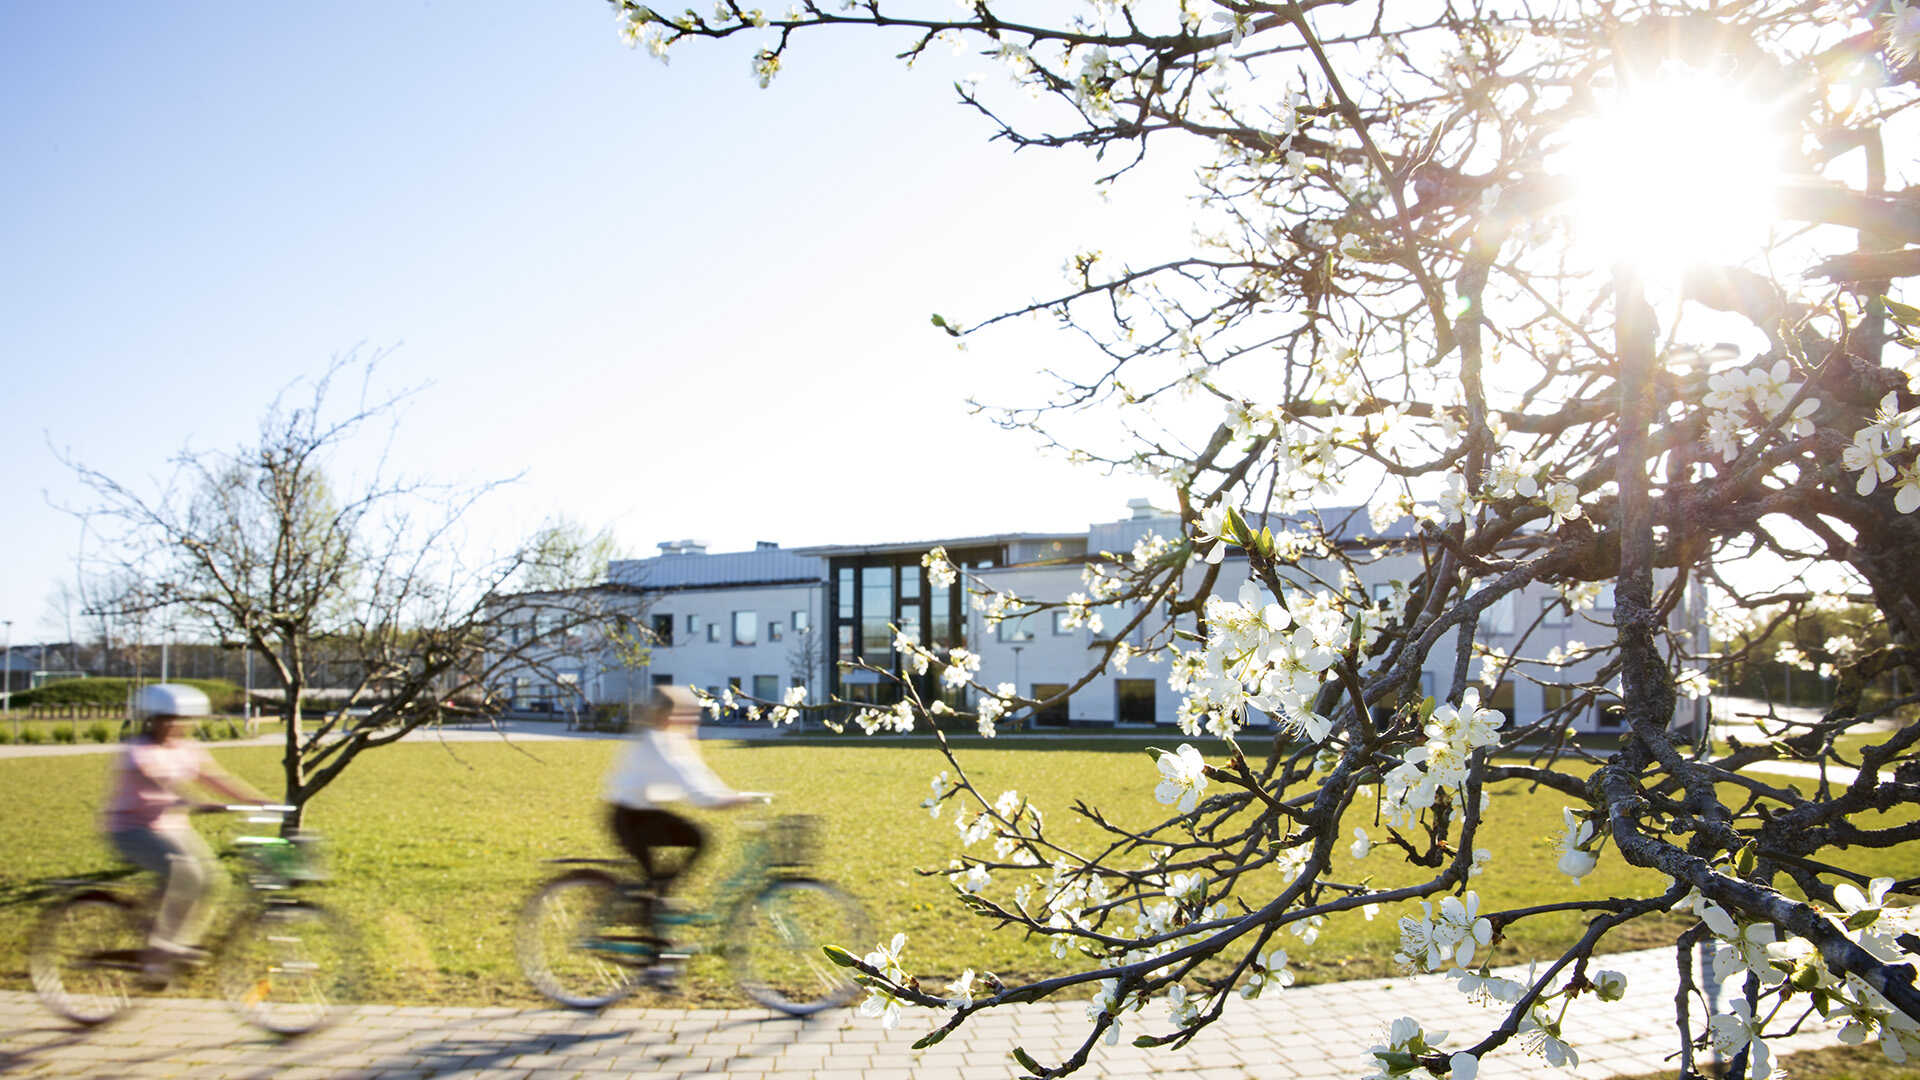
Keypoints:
pixel 1581 297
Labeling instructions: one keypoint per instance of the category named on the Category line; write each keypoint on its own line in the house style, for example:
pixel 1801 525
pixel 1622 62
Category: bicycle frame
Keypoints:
pixel 751 870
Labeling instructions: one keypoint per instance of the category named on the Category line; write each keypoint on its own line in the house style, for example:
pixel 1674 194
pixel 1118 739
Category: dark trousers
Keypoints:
pixel 644 832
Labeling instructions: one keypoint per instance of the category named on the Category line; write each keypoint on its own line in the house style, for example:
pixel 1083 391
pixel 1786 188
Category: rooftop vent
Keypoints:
pixel 1143 509
pixel 683 547
pixel 766 545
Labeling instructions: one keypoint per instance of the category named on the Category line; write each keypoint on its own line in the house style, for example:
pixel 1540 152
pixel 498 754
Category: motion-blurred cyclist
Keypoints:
pixel 146 816
pixel 660 767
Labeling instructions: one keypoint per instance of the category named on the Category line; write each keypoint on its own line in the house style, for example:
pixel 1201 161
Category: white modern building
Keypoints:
pixel 770 618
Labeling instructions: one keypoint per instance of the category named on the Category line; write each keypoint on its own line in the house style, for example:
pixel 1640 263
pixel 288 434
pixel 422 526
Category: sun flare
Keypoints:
pixel 1680 169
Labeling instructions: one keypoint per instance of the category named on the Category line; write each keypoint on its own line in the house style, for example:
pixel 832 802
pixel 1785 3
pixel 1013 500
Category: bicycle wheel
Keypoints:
pixel 86 955
pixel 774 945
pixel 579 943
pixel 292 967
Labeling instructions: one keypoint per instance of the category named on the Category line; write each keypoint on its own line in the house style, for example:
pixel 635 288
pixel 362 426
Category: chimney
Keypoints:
pixel 1143 509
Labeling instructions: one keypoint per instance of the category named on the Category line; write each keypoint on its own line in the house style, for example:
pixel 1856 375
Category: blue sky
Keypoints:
pixel 672 303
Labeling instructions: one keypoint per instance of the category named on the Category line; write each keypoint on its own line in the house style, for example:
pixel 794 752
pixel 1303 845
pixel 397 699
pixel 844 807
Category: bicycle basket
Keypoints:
pixel 289 859
pixel 792 839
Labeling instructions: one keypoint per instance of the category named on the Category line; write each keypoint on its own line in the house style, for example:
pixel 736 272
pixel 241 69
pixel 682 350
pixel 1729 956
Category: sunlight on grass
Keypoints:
pixel 432 850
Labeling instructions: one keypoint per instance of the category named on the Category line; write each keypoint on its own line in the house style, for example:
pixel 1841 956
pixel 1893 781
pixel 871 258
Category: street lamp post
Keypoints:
pixel 6 703
pixel 1016 669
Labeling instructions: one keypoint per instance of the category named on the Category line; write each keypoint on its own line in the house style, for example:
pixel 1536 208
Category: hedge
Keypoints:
pixel 112 693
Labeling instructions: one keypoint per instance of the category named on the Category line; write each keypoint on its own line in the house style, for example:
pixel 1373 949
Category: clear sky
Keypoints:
pixel 674 304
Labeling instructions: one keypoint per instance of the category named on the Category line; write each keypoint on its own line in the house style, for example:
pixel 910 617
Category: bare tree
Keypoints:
pixel 1437 263
pixel 362 587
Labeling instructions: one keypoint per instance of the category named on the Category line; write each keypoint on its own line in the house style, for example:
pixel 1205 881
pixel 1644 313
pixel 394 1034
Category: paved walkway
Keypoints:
pixel 1320 1032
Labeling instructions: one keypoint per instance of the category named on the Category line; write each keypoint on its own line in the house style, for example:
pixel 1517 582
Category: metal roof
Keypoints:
pixel 808 565
pixel 761 566
pixel 954 543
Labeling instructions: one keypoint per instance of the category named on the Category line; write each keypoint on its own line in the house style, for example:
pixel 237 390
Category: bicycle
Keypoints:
pixel 582 938
pixel 286 964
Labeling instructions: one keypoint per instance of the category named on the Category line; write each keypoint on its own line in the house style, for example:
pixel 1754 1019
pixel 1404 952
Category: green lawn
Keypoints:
pixel 433 849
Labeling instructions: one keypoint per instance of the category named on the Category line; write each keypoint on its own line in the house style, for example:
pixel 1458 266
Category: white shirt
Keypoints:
pixel 663 766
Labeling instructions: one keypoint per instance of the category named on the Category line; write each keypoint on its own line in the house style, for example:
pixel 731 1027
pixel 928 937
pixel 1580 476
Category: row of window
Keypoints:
pixel 1502 616
pixel 745 628
pixel 1020 627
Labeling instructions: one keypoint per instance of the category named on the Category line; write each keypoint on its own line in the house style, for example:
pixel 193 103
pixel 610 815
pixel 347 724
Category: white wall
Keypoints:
pixel 693 660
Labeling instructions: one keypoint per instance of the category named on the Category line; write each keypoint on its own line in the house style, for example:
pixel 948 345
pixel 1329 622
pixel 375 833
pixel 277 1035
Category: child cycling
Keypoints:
pixel 146 816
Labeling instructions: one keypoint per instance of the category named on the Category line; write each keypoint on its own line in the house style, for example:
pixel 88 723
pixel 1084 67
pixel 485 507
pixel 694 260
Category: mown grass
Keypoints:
pixel 433 849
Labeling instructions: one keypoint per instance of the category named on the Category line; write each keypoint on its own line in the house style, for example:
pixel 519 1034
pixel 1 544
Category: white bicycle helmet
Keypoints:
pixel 171 699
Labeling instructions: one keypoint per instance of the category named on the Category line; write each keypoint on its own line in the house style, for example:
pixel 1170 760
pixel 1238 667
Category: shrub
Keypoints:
pixel 31 736
pixel 98 732
pixel 63 734
pixel 6 735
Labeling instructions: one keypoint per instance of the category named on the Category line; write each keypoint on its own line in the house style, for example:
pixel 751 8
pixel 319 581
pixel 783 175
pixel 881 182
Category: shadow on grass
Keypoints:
pixel 40 890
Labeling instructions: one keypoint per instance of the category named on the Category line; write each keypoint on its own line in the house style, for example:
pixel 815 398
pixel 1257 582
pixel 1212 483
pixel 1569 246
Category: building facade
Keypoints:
pixel 771 618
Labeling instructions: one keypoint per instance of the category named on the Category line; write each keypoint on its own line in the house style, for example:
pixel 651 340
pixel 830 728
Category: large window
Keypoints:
pixel 746 628
pixel 663 630
pixel 1015 629
pixel 1553 698
pixel 876 611
pixel 1503 701
pixel 766 687
pixel 874 593
pixel 1134 700
pixel 1054 715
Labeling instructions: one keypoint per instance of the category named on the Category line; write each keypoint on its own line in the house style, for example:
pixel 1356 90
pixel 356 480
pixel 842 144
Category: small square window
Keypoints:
pixel 802 622
pixel 1498 617
pixel 693 625
pixel 663 630
pixel 1060 627
pixel 1553 611
pixel 774 633
pixel 713 633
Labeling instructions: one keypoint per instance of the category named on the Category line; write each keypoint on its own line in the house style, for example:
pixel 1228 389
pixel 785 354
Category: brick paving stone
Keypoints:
pixel 1307 1033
